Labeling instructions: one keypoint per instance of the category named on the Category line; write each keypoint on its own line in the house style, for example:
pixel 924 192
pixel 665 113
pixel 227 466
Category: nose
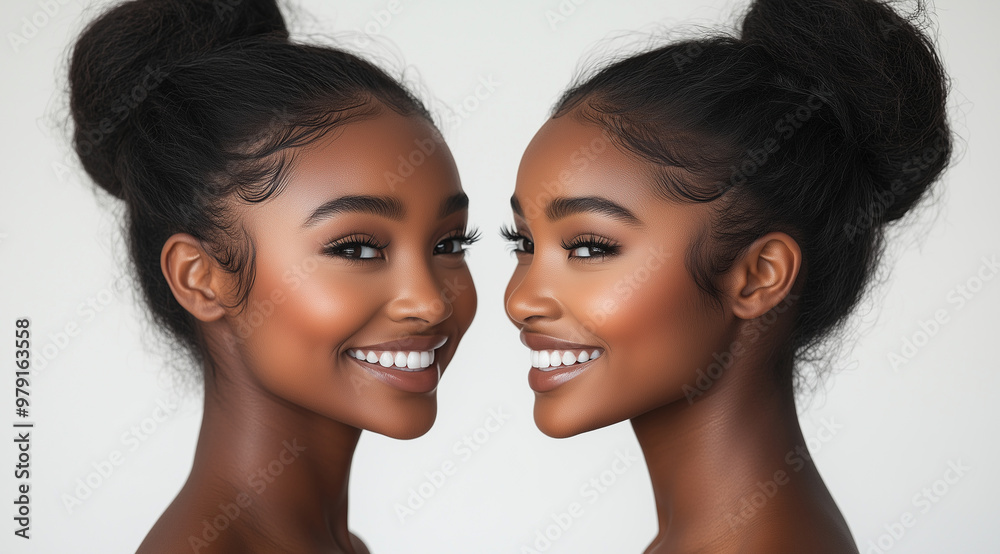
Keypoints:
pixel 419 296
pixel 530 295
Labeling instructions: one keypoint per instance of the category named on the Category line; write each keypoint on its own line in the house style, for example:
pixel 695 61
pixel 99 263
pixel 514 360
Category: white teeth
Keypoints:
pixel 412 360
pixel 549 360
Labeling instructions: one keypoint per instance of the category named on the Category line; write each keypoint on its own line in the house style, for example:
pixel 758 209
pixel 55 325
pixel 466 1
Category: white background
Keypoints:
pixel 896 430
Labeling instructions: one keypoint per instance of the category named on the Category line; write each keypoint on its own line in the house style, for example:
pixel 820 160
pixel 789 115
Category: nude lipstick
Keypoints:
pixel 555 361
pixel 408 364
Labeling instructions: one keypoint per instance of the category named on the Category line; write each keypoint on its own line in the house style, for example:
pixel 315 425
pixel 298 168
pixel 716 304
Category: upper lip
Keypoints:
pixel 418 343
pixel 536 341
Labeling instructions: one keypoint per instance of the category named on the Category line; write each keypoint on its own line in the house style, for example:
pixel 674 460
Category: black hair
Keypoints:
pixel 825 119
pixel 180 106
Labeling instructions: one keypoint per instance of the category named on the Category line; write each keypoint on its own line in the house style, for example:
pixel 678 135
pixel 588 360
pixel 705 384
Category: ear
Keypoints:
pixel 765 275
pixel 191 273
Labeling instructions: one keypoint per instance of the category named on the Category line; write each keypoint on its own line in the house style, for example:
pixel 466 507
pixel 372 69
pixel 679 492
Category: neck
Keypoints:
pixel 285 467
pixel 718 463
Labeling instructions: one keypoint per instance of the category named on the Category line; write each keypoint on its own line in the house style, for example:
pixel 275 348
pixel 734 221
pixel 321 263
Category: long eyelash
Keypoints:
pixel 465 237
pixel 509 234
pixel 609 246
pixel 355 239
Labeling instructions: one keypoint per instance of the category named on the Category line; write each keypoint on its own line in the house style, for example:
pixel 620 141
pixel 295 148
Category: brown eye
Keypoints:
pixel 455 244
pixel 449 246
pixel 519 242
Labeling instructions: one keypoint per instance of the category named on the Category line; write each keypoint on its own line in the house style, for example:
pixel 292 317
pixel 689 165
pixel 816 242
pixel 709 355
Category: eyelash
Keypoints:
pixel 338 247
pixel 465 238
pixel 512 236
pixel 589 240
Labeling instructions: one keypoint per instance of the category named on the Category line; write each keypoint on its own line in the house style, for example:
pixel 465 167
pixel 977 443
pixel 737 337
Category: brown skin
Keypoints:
pixel 706 448
pixel 285 411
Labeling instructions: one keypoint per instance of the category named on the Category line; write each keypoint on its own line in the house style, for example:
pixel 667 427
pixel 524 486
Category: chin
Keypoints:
pixel 562 423
pixel 408 423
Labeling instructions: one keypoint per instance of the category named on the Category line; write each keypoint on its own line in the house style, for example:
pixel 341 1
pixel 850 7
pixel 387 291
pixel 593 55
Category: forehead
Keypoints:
pixel 389 154
pixel 572 157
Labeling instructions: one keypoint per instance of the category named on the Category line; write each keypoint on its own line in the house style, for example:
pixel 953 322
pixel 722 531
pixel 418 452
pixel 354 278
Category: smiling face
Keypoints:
pixel 361 292
pixel 600 267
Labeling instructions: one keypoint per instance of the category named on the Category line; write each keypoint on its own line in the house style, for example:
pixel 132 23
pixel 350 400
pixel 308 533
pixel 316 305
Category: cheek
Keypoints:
pixel 657 331
pixel 300 317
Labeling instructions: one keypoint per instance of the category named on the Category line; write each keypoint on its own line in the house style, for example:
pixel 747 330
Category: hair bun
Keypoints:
pixel 126 53
pixel 888 86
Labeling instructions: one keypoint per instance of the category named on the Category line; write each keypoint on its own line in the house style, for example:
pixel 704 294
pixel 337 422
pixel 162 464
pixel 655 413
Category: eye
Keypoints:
pixel 456 243
pixel 591 246
pixel 356 247
pixel 521 244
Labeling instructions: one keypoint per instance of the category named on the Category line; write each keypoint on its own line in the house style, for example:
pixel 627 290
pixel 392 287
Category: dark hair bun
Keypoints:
pixel 887 84
pixel 124 55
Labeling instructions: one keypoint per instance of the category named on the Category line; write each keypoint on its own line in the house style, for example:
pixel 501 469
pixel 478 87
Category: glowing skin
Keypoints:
pixel 288 365
pixel 639 307
pixel 601 265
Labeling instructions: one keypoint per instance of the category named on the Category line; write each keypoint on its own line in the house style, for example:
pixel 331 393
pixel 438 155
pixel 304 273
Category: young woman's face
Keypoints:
pixel 361 292
pixel 601 270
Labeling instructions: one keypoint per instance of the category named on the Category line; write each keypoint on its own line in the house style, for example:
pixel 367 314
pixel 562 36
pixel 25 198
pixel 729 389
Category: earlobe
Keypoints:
pixel 189 271
pixel 765 275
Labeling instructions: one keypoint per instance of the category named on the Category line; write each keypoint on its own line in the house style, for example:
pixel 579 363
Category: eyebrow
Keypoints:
pixel 384 206
pixel 563 206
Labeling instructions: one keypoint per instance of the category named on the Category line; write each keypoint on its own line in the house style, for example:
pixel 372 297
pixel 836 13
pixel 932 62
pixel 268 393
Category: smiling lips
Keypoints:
pixel 403 361
pixel 556 361
pixel 412 353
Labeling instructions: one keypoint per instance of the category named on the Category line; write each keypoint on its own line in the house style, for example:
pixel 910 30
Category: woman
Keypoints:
pixel 276 239
pixel 695 222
